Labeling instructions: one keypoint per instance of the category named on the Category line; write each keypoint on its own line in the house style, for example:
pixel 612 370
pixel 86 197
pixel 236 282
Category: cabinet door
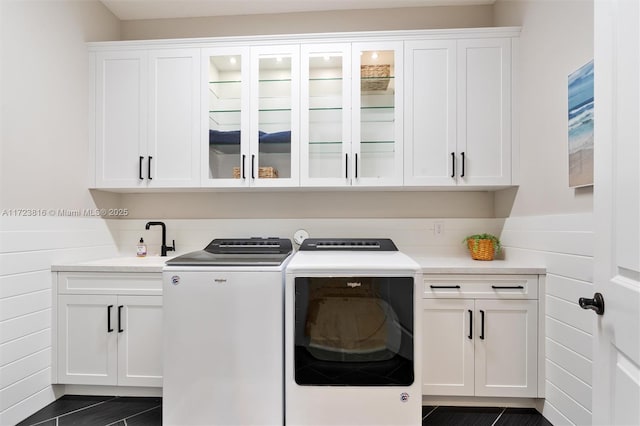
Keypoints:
pixel 430 112
pixel 225 99
pixel 377 114
pixel 506 348
pixel 139 329
pixel 325 115
pixel 121 119
pixel 275 116
pixel 484 112
pixel 447 347
pixel 173 148
pixel 87 342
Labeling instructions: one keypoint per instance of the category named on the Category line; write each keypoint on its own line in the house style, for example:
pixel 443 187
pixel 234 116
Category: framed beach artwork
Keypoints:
pixel 580 140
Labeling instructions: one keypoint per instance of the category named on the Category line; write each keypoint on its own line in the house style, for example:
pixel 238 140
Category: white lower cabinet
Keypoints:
pixel 108 339
pixel 477 346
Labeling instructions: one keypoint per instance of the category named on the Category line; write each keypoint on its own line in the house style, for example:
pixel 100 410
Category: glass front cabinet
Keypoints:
pixel 252 107
pixel 351 119
pixel 377 114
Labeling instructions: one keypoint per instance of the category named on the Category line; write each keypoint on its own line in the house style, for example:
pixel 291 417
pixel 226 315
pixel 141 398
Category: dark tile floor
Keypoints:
pixel 126 411
pixel 98 411
pixel 482 416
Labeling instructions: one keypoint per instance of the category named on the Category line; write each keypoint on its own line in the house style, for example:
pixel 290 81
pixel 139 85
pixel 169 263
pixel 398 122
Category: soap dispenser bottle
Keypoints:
pixel 141 250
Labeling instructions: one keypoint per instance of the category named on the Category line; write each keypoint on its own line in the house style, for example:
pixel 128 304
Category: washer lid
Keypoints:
pixel 238 252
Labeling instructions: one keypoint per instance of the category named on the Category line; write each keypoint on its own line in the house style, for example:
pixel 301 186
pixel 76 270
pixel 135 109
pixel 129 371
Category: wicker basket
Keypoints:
pixel 374 77
pixel 263 172
pixel 481 249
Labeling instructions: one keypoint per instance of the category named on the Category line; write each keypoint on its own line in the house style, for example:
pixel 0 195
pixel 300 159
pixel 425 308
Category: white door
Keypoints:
pixel 430 112
pixel 139 327
pixel 447 347
pixel 173 148
pixel 121 119
pixel 616 363
pixel 87 343
pixel 484 112
pixel 506 348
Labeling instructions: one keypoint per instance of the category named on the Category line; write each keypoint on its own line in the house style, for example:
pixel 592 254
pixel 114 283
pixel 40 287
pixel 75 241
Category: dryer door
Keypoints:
pixel 354 331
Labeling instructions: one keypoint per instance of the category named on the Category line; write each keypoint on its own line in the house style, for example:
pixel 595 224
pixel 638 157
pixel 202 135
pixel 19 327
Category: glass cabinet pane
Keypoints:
pixel 225 116
pixel 377 114
pixel 326 97
pixel 274 116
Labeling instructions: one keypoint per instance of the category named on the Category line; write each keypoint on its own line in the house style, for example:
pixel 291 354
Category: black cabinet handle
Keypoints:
pixel 481 325
pixel 120 330
pixel 140 168
pixel 346 165
pixel 356 174
pixel 502 287
pixel 149 170
pixel 470 336
pixel 462 174
pixel 242 165
pixel 444 286
pixel 453 164
pixel 109 329
pixel 253 159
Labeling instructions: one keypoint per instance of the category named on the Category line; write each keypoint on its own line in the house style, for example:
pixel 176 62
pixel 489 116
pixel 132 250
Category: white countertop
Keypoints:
pixel 466 265
pixel 430 264
pixel 116 264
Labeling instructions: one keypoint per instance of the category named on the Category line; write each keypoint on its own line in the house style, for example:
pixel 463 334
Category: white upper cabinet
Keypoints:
pixel 381 109
pixel 121 119
pixel 275 116
pixel 458 112
pixel 225 105
pixel 146 119
pixel 251 101
pixel 484 112
pixel 377 114
pixel 430 122
pixel 325 115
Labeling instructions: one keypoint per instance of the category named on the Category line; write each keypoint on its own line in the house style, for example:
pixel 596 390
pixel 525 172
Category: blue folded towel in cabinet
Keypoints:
pixel 232 137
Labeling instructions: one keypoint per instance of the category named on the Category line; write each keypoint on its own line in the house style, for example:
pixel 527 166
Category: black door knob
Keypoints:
pixel 597 303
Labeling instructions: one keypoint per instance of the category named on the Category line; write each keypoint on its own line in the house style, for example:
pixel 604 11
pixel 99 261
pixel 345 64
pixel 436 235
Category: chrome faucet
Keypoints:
pixel 164 248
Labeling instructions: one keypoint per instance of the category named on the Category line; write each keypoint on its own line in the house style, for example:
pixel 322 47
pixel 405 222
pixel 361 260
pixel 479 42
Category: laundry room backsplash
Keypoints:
pixel 410 235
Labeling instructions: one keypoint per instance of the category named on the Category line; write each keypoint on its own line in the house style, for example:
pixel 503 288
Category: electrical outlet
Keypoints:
pixel 438 229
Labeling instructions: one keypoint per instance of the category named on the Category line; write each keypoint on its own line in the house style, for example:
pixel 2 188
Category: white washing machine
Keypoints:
pixel 352 334
pixel 223 328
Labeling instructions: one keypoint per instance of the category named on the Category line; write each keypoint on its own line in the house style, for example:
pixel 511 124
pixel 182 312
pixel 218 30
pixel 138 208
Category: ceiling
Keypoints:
pixel 158 9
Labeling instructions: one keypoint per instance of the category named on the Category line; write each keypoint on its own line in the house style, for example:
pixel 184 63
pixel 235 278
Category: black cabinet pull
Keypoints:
pixel 242 165
pixel 453 164
pixel 109 329
pixel 444 286
pixel 140 168
pixel 149 171
pixel 470 336
pixel 462 174
pixel 253 158
pixel 503 287
pixel 356 174
pixel 120 330
pixel 346 165
pixel 481 325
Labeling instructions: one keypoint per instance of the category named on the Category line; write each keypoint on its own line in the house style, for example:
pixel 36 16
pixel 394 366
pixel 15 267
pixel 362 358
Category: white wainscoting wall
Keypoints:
pixel 564 244
pixel 28 248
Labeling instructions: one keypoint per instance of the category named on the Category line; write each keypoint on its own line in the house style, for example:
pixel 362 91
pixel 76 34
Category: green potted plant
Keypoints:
pixel 483 246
